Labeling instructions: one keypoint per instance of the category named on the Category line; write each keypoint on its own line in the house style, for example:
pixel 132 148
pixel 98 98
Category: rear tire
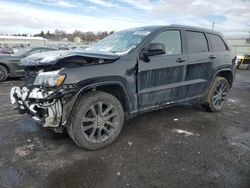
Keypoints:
pixel 3 73
pixel 97 120
pixel 217 95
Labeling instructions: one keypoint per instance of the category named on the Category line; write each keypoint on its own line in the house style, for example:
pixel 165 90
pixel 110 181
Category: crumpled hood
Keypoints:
pixel 52 57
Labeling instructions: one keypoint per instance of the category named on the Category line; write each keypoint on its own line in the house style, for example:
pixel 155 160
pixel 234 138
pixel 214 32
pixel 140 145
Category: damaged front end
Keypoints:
pixel 44 99
pixel 44 96
pixel 36 103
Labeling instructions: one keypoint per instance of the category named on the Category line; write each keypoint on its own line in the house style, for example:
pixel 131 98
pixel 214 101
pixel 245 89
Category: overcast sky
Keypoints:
pixel 231 17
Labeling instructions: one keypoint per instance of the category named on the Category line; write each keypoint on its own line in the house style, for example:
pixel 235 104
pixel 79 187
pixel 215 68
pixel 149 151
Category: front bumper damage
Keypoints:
pixel 43 105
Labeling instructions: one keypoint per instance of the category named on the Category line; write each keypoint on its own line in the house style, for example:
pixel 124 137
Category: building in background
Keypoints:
pixel 77 40
pixel 241 46
pixel 22 41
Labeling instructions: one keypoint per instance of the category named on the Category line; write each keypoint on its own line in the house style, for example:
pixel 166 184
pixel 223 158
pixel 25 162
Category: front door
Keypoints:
pixel 160 78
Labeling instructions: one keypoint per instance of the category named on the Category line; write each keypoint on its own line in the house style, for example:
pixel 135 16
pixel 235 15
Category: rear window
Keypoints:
pixel 197 42
pixel 217 43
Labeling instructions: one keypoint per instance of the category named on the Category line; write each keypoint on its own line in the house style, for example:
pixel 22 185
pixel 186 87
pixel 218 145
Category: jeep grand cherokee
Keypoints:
pixel 91 92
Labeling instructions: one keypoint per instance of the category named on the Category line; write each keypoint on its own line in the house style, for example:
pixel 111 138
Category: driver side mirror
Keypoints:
pixel 156 49
pixel 152 50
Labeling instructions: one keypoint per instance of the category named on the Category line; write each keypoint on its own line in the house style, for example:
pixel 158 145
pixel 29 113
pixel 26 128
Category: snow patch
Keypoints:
pixel 130 143
pixel 234 101
pixel 24 150
pixel 186 133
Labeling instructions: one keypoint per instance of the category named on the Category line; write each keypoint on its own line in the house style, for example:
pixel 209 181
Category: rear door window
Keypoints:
pixel 217 43
pixel 197 42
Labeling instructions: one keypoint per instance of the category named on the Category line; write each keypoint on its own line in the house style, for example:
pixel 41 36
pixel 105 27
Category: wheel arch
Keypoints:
pixel 5 66
pixel 227 74
pixel 114 88
pixel 118 91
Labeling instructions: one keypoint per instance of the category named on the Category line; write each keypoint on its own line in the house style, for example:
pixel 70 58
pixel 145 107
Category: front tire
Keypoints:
pixel 3 73
pixel 217 95
pixel 97 120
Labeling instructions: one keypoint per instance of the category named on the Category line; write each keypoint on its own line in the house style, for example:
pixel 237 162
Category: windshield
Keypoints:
pixel 122 41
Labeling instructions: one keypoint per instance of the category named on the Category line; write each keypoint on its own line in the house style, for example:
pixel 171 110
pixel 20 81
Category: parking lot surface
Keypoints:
pixel 181 146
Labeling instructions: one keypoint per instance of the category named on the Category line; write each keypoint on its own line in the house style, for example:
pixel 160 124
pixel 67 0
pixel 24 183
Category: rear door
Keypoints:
pixel 199 65
pixel 160 79
pixel 219 50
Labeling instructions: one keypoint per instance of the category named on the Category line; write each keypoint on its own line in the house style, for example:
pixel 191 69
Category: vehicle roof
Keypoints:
pixel 195 28
pixel 180 26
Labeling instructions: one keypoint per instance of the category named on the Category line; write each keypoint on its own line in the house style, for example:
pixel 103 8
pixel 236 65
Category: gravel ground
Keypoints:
pixel 182 146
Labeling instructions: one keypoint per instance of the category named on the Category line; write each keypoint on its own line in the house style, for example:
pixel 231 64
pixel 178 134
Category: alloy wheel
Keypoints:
pixel 220 95
pixel 99 122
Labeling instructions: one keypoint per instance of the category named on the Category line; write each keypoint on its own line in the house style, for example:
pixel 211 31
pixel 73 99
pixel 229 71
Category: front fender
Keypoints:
pixel 71 105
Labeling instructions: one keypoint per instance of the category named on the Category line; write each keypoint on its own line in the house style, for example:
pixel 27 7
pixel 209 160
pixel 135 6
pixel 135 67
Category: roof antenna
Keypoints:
pixel 213 25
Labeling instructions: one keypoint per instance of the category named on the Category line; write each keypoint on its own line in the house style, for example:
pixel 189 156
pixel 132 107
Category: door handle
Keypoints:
pixel 212 56
pixel 180 60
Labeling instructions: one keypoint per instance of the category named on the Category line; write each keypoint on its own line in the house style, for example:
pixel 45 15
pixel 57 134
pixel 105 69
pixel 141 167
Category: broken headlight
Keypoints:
pixel 49 79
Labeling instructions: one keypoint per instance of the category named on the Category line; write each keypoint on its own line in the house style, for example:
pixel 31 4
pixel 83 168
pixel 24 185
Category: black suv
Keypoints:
pixel 91 92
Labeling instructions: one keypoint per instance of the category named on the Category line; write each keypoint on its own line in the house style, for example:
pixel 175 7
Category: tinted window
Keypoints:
pixel 217 43
pixel 197 42
pixel 171 40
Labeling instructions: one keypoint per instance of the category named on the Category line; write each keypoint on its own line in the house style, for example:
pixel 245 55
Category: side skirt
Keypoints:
pixel 165 105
